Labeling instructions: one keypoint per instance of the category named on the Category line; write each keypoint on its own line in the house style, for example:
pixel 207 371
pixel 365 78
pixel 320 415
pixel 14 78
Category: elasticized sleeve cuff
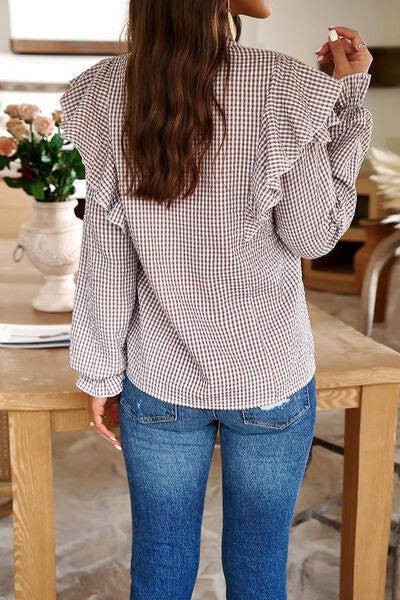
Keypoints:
pixel 354 89
pixel 102 388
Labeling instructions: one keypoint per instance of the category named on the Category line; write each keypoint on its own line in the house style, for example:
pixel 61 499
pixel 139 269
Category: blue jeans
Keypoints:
pixel 168 449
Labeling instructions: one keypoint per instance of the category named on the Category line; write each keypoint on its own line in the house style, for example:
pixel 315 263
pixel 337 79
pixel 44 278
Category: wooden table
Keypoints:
pixel 353 372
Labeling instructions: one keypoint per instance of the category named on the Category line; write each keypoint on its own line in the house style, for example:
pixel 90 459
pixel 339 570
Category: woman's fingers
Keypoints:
pixel 97 415
pixel 325 48
pixel 112 441
pixel 342 65
pixel 102 429
pixel 342 48
pixel 360 57
pixel 324 58
pixel 352 34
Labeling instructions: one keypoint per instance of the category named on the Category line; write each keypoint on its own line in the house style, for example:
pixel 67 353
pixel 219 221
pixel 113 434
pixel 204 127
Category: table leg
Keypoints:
pixel 33 507
pixel 370 436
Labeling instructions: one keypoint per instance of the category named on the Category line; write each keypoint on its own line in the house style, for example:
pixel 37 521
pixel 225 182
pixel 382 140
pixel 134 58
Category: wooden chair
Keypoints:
pixel 385 250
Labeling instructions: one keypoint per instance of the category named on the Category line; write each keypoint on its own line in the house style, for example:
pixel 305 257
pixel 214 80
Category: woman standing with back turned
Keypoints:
pixel 211 169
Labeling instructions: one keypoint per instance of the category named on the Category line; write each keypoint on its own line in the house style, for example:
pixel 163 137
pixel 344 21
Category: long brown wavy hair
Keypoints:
pixel 175 48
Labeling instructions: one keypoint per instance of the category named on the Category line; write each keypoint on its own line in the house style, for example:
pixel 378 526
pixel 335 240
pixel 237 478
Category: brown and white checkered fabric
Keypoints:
pixel 203 304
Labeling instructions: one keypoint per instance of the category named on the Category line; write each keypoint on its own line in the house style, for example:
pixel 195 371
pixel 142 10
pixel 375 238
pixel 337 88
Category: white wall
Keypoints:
pixel 4 26
pixel 73 19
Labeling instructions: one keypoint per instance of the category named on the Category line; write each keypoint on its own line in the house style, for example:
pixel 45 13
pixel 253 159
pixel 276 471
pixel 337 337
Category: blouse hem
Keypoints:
pixel 233 396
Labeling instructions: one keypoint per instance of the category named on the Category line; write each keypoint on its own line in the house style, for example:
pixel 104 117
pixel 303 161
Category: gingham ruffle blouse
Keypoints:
pixel 203 304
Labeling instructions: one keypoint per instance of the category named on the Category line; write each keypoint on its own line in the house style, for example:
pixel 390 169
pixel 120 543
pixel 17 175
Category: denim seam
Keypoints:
pixel 155 419
pixel 277 426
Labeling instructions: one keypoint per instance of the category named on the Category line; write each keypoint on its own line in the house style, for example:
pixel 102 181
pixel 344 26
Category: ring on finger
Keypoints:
pixel 362 45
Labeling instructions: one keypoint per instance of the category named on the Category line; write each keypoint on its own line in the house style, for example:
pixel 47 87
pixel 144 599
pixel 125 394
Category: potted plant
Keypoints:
pixel 36 158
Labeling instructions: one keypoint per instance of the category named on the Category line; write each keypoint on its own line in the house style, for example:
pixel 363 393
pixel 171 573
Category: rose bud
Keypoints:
pixel 28 112
pixel 18 129
pixel 43 125
pixel 12 110
pixel 57 116
pixel 8 146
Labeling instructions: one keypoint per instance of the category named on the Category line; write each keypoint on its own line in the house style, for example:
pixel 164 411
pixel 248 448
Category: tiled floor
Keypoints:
pixel 93 518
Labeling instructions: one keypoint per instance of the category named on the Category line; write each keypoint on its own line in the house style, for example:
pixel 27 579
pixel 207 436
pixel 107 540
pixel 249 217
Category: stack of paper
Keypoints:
pixel 34 336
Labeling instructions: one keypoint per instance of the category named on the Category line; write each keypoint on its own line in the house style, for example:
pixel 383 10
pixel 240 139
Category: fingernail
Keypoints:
pixel 318 50
pixel 333 36
pixel 118 448
pixel 319 58
pixel 331 27
pixel 113 438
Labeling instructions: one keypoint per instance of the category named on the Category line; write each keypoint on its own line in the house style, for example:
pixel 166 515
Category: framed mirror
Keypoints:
pixel 59 27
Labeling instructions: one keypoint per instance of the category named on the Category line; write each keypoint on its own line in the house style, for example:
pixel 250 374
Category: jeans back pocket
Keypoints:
pixel 146 408
pixel 282 415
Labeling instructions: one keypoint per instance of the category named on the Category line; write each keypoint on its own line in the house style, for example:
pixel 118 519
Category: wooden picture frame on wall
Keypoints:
pixel 34 31
pixel 95 47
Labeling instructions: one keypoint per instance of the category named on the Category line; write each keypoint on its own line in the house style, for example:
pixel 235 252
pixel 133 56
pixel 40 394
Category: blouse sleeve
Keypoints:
pixel 103 304
pixel 106 279
pixel 318 194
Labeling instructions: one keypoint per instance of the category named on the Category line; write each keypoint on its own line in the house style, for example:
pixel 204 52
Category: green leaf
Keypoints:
pixel 26 186
pixel 13 183
pixel 65 190
pixel 76 157
pixel 64 158
pixel 4 160
pixel 71 175
pixel 80 171
pixel 38 189
pixel 56 142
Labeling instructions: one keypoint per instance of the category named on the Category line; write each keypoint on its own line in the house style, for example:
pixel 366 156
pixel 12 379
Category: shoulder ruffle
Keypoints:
pixel 299 109
pixel 86 123
pixel 85 116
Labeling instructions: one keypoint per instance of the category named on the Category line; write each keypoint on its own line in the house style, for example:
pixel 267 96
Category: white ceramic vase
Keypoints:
pixel 52 241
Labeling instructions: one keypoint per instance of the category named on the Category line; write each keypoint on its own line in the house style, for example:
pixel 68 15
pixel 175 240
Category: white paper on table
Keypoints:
pixel 16 334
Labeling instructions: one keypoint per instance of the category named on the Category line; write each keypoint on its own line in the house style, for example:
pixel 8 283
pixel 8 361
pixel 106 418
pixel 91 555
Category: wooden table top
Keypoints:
pixel 344 356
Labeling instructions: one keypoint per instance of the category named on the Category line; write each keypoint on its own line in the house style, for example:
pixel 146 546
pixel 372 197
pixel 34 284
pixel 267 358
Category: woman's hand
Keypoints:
pixel 96 410
pixel 344 52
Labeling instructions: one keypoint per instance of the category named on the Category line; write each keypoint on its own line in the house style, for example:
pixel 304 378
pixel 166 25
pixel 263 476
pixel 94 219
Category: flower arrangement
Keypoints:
pixel 35 157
